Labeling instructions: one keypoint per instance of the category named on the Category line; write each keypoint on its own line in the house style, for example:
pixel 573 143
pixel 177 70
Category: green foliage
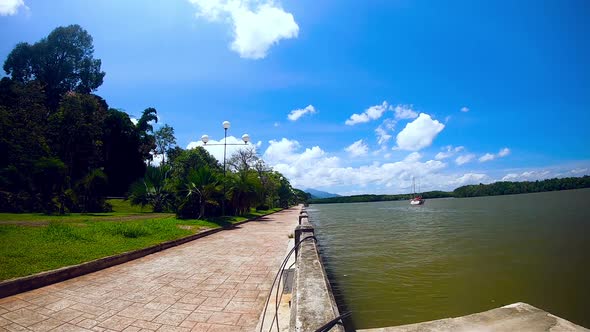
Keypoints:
pixel 61 62
pixel 165 140
pixel 75 133
pixel 64 149
pixel 22 143
pixel 243 191
pixel 124 206
pixel 146 137
pixel 49 176
pixel 123 161
pixel 509 188
pixel 91 191
pixel 191 159
pixel 202 186
pixel 154 189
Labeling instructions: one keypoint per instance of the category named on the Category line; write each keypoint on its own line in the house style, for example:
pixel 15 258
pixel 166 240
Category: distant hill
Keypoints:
pixel 320 194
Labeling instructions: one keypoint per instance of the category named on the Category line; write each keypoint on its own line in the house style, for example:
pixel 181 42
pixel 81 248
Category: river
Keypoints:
pixel 391 263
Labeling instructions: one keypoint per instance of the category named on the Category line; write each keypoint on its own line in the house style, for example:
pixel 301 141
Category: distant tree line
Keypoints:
pixel 378 198
pixel 497 188
pixel 65 150
pixel 510 188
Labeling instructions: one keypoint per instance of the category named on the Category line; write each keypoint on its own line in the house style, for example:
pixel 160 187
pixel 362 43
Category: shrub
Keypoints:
pixel 262 207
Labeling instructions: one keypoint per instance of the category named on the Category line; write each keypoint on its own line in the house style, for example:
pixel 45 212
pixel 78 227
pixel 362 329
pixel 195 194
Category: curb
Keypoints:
pixel 42 279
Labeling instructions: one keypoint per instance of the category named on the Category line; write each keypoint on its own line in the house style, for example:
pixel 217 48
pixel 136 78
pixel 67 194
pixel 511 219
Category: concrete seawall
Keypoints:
pixel 514 317
pixel 313 304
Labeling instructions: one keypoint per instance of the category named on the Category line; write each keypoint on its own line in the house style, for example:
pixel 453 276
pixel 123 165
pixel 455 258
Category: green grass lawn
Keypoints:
pixel 32 243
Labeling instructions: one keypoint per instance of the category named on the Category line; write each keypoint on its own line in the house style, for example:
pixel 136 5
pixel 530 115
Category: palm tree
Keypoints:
pixel 153 189
pixel 244 191
pixel 202 185
pixel 145 130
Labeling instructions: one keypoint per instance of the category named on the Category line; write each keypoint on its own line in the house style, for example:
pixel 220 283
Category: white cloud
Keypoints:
pixel 257 24
pixel 157 159
pixel 548 173
pixel 489 156
pixel 443 155
pixel 382 131
pixel 276 124
pixel 413 157
pixel 216 150
pixel 419 133
pixel 382 135
pixel 11 7
pixel 371 113
pixel 464 109
pixel 464 159
pixel 449 152
pixel 579 171
pixel 357 149
pixel 404 112
pixel 527 176
pixel 315 168
pixel 133 120
pixel 294 115
pixel 471 178
pixel 504 152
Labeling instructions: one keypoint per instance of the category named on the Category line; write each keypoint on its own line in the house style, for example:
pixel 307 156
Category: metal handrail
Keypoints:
pixel 336 321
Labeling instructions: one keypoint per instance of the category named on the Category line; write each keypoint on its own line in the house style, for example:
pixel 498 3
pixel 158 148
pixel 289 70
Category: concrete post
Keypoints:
pixel 301 232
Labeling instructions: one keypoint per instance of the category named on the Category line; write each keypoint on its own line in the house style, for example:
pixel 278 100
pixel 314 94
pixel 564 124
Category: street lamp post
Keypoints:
pixel 205 140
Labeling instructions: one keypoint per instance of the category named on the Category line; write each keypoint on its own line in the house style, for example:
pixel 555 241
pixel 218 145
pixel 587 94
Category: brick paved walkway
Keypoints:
pixel 216 283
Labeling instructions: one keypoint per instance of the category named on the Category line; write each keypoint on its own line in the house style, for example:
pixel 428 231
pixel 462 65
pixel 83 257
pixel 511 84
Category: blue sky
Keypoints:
pixel 520 71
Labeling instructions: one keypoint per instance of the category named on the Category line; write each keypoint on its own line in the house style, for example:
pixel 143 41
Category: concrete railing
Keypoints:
pixel 313 304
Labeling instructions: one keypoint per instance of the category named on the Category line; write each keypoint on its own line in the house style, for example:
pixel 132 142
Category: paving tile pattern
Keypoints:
pixel 216 283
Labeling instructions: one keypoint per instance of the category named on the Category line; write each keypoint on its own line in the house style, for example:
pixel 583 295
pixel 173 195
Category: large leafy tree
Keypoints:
pixel 75 134
pixel 123 161
pixel 190 159
pixel 267 182
pixel 165 140
pixel 22 144
pixel 61 62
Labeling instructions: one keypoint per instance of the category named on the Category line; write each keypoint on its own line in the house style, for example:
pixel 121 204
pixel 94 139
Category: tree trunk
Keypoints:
pixel 201 209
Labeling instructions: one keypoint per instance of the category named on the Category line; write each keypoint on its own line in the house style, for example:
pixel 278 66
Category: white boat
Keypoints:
pixel 417 199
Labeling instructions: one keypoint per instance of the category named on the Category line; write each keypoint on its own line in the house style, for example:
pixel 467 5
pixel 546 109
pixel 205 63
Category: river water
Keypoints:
pixel 391 263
